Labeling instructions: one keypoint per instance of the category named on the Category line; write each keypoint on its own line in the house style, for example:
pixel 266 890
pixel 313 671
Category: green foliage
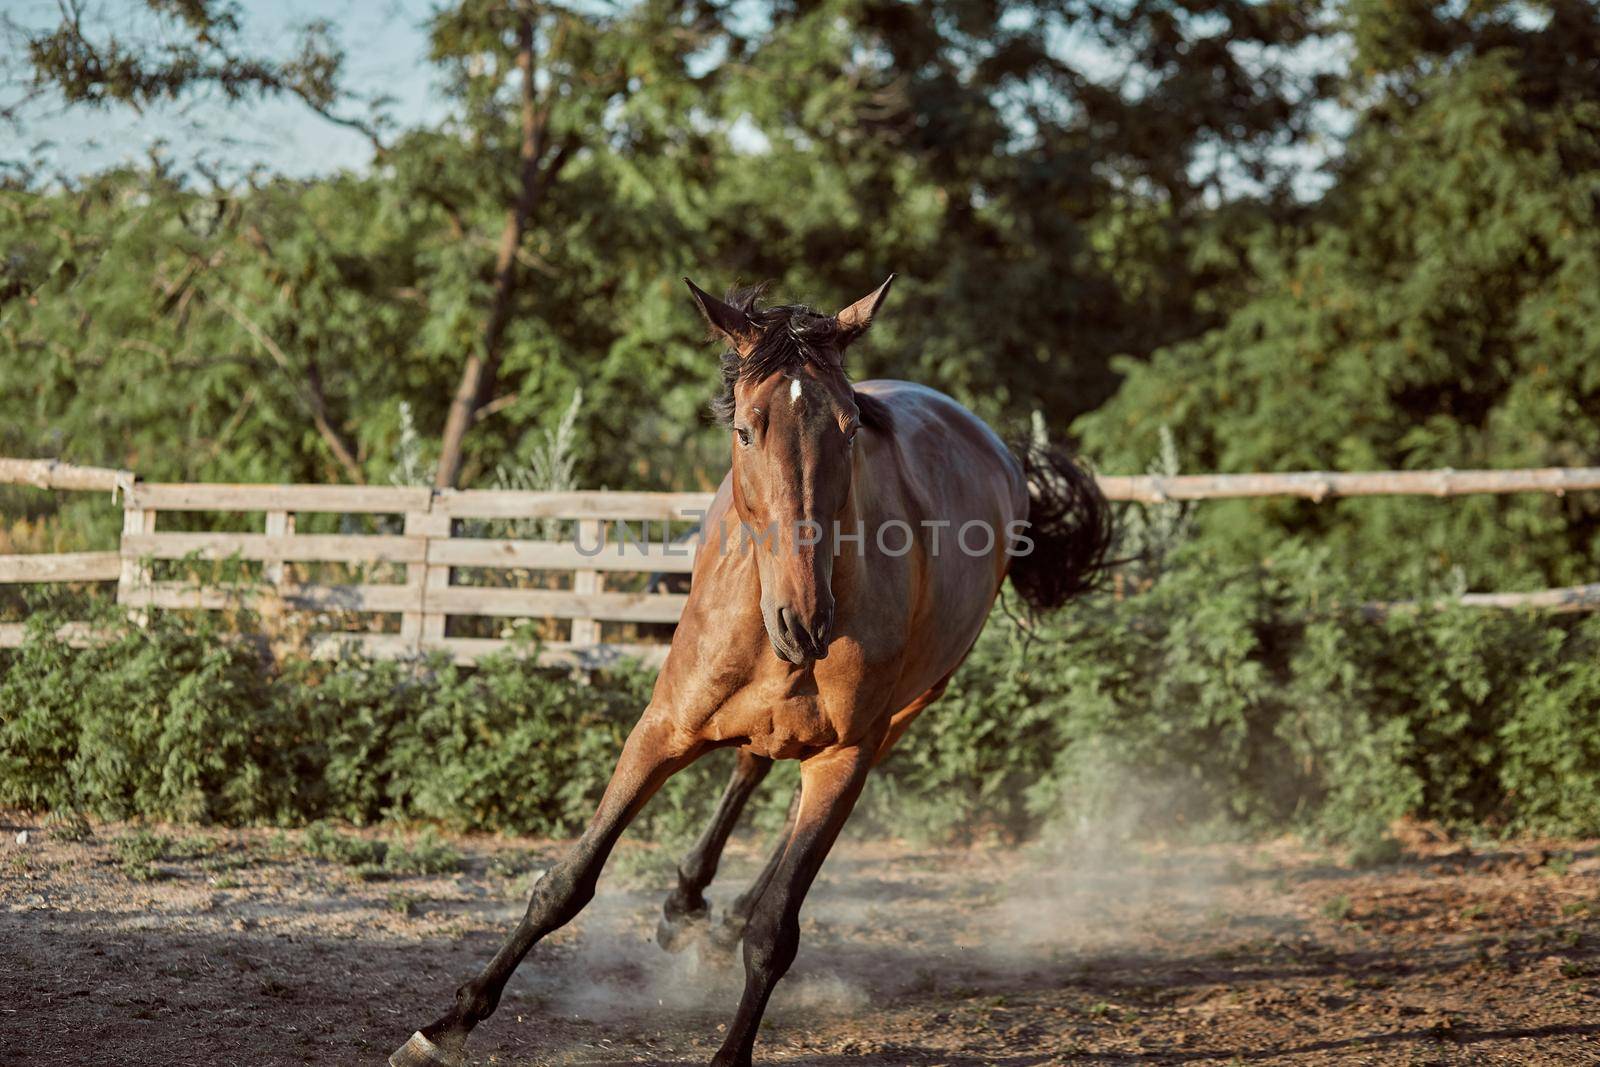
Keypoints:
pixel 1374 851
pixel 137 853
pixel 69 825
pixel 175 723
pixel 509 744
pixel 1044 215
pixel 1437 309
pixel 373 859
pixel 1227 698
pixel 426 854
pixel 402 903
pixel 324 842
pixel 141 846
pixel 1218 699
pixel 185 723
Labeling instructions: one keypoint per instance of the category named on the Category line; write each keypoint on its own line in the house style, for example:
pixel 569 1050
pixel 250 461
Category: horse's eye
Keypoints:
pixel 744 436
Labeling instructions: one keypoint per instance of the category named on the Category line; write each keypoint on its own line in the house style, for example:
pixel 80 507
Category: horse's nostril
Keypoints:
pixel 789 626
pixel 811 642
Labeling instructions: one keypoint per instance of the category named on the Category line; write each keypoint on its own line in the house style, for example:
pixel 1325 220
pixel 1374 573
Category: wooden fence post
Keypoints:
pixel 135 521
pixel 586 632
pixel 279 524
pixel 422 626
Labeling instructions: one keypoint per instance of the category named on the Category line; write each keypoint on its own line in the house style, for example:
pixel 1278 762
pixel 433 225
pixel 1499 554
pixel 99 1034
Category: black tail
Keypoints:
pixel 1070 525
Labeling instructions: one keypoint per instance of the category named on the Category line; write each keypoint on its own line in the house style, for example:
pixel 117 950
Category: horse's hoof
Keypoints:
pixel 677 934
pixel 420 1052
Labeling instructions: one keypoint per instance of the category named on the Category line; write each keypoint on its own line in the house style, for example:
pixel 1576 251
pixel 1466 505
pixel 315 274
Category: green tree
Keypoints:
pixel 207 336
pixel 539 93
pixel 1051 180
pixel 1438 311
pixel 1047 177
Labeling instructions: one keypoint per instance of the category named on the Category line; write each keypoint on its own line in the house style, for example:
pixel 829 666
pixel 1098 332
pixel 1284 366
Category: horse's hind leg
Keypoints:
pixel 651 756
pixel 829 785
pixel 686 905
pixel 731 930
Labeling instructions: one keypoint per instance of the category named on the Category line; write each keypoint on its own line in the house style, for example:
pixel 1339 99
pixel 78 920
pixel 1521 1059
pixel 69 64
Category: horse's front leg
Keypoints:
pixel 686 905
pixel 830 782
pixel 652 754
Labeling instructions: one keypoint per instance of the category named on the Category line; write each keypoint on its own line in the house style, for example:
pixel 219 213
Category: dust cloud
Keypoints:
pixel 876 927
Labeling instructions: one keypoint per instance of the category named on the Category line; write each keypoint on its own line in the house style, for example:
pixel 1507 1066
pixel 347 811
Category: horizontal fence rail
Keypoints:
pixel 53 474
pixel 61 567
pixel 1320 485
pixel 435 576
pixel 1566 600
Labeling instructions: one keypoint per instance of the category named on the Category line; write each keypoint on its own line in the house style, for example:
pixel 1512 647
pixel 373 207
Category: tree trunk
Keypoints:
pixel 482 366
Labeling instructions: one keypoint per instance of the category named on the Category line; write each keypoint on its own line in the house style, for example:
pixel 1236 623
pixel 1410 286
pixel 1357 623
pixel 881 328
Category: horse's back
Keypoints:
pixel 949 476
pixel 962 467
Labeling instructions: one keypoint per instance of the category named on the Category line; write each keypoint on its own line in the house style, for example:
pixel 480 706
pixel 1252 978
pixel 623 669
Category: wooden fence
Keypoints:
pixel 430 551
pixel 436 550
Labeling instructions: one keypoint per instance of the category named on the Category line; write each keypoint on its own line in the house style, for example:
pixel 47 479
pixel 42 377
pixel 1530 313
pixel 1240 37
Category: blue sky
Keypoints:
pixel 386 51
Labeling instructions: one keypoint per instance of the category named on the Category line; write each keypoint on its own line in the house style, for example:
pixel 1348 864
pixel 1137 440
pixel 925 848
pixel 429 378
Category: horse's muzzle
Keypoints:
pixel 792 640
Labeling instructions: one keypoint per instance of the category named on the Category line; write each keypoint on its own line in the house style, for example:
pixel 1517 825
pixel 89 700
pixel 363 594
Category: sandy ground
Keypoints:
pixel 245 951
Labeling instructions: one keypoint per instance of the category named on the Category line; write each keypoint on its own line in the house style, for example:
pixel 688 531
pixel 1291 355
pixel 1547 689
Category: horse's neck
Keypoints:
pixel 849 558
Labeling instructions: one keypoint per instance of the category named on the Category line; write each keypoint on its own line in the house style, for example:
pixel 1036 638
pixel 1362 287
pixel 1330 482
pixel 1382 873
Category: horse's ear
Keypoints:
pixel 726 321
pixel 854 320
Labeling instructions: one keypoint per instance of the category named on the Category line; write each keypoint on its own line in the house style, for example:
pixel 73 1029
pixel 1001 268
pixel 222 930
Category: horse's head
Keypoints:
pixel 794 419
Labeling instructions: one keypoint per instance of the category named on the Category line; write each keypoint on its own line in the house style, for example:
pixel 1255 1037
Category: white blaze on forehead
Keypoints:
pixel 794 391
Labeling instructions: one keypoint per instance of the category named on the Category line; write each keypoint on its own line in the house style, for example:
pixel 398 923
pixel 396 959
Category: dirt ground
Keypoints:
pixel 247 951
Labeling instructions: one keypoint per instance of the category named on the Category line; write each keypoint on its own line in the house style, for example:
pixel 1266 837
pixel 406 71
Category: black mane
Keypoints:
pixel 792 335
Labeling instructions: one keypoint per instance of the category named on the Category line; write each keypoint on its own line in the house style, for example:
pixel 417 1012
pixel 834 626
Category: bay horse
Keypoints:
pixel 850 559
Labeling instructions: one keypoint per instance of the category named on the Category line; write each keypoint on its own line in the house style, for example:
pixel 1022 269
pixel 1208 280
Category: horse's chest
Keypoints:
pixel 778 711
pixel 799 727
pixel 779 724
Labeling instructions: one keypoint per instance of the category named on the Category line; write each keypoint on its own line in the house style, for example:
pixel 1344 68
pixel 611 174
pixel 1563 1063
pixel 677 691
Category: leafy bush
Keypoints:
pixel 176 721
pixel 1219 698
pixel 141 847
pixel 1226 698
pixel 172 722
pixel 325 842
pixel 425 855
